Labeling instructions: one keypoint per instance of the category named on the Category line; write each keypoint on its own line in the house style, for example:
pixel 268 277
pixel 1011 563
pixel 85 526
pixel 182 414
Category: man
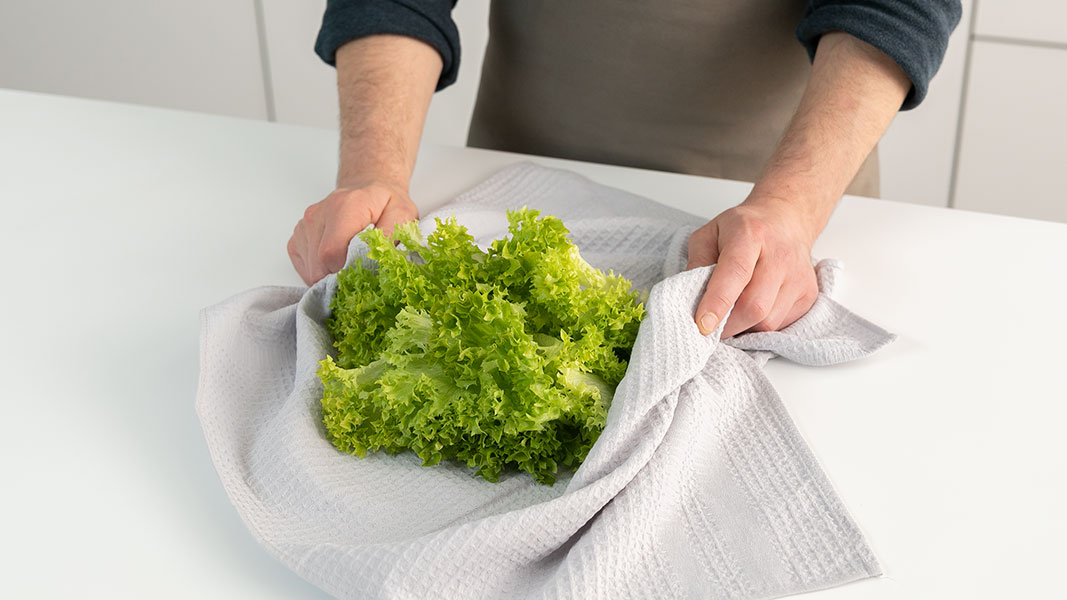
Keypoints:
pixel 719 88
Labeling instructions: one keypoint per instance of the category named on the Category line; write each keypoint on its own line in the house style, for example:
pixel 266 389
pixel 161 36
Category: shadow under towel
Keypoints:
pixel 699 487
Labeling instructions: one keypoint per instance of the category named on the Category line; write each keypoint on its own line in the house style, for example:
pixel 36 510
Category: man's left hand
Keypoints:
pixel 762 252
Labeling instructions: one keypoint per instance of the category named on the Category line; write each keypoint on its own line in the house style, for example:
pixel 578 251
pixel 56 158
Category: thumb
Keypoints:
pixel 395 213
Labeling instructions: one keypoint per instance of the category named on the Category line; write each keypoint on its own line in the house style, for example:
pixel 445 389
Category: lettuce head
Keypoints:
pixel 505 358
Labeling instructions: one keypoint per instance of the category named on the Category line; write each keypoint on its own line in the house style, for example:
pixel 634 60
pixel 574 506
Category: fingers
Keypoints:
pixel 762 254
pixel 759 301
pixel 793 295
pixel 732 273
pixel 342 219
pixel 805 299
pixel 296 248
pixel 319 244
pixel 314 224
pixel 703 246
pixel 394 214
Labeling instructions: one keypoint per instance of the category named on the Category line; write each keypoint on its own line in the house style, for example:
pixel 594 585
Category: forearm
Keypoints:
pixel 851 98
pixel 385 83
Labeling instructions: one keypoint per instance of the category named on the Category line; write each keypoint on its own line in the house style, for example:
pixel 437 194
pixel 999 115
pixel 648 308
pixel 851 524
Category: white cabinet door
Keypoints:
pixel 198 55
pixel 304 87
pixel 917 151
pixel 1013 151
pixel 1031 20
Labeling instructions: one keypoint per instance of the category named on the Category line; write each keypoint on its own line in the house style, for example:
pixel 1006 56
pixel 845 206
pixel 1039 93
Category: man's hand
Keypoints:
pixel 384 85
pixel 762 250
pixel 320 240
pixel 763 247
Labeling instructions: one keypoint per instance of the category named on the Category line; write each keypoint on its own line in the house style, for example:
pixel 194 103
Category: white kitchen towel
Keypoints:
pixel 699 487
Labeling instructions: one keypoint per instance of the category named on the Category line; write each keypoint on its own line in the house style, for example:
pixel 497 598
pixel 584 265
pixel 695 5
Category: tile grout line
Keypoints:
pixel 1000 39
pixel 960 119
pixel 264 60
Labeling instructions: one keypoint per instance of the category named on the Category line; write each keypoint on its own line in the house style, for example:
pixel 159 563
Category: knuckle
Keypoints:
pixel 807 294
pixel 365 214
pixel 328 255
pixel 780 255
pixel 751 226
pixel 410 212
pixel 738 271
pixel 756 310
pixel 720 303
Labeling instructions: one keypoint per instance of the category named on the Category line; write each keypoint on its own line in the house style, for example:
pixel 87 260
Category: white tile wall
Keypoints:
pixel 1031 20
pixel 1013 152
pixel 198 55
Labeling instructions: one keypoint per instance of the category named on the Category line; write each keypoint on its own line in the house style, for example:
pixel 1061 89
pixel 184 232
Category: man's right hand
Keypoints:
pixel 319 244
pixel 384 85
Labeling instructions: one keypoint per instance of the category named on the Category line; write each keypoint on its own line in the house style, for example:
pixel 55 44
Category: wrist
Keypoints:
pixel 374 157
pixel 365 175
pixel 394 189
pixel 806 214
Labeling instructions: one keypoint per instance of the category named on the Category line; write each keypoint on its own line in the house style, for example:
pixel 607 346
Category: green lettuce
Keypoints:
pixel 505 358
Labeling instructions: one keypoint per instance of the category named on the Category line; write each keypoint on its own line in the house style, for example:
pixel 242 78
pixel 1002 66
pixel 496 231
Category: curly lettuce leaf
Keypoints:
pixel 506 358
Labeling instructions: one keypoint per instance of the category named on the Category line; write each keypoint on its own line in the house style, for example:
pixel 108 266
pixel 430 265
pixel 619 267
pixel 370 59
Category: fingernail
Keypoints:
pixel 708 323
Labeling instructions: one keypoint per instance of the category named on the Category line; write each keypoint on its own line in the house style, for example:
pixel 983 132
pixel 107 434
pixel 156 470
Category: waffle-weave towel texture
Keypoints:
pixel 699 487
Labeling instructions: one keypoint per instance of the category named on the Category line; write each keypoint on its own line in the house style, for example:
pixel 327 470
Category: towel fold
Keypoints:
pixel 700 485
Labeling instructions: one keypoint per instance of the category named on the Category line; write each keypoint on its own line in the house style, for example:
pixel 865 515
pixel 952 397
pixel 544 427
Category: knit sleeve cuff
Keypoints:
pixel 427 20
pixel 913 34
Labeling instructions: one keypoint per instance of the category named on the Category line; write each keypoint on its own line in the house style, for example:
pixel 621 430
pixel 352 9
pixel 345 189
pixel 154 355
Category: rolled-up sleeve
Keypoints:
pixel 426 20
pixel 914 33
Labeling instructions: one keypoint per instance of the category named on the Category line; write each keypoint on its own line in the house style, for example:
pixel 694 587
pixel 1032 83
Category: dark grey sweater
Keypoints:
pixel 914 33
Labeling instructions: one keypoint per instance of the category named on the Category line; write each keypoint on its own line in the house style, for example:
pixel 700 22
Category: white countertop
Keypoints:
pixel 118 223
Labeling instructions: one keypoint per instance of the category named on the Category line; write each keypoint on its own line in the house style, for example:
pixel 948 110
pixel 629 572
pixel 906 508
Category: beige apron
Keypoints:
pixel 705 88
